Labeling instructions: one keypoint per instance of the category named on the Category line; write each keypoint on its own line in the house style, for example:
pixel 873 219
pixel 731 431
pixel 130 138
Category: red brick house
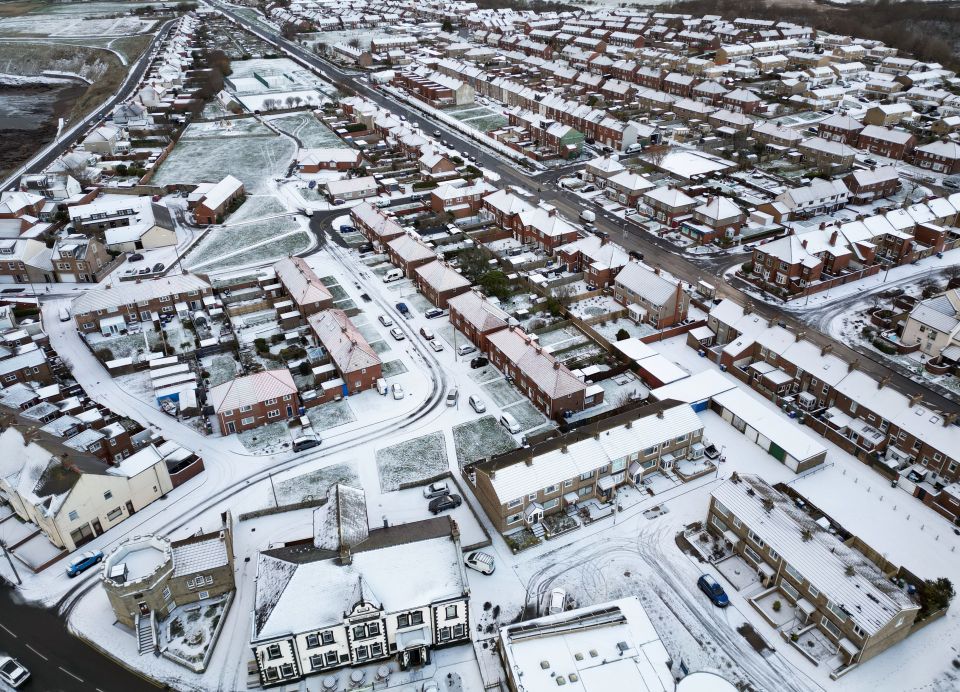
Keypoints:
pixel 303 286
pixel 894 144
pixel 355 360
pixel 439 283
pixel 214 202
pixel 253 400
pixel 376 227
pixel 407 253
pixel 476 317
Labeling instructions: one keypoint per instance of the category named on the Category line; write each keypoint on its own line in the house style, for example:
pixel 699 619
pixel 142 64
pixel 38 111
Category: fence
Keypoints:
pixel 280 509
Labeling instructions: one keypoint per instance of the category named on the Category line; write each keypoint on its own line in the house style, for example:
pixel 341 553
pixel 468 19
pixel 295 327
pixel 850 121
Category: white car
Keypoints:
pixel 397 334
pixel 476 403
pixel 12 673
pixel 480 561
pixel 438 489
pixel 386 321
pixel 436 345
pixel 398 391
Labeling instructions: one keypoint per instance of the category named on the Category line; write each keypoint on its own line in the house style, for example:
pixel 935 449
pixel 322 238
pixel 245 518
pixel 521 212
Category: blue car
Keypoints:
pixel 81 564
pixel 714 591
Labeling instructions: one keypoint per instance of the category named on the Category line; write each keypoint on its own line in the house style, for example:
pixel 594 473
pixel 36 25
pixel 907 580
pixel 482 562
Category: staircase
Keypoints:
pixel 538 530
pixel 146 634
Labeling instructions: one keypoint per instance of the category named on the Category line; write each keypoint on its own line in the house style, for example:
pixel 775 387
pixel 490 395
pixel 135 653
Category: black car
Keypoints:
pixel 365 297
pixel 432 313
pixel 135 257
pixel 445 502
pixel 158 267
pixel 479 362
pixel 403 309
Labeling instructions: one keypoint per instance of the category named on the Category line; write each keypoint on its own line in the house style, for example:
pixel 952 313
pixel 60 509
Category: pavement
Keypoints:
pixel 656 251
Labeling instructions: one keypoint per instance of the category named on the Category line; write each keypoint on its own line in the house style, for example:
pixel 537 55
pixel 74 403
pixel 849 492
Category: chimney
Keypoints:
pixel 529 460
pixel 552 212
pixel 803 243
pixel 563 448
pixel 915 399
pixel 346 557
pixel 800 335
pixel 656 270
pixel 882 382
pixel 833 238
pixel 454 529
pixel 826 349
pixel 853 365
pixel 823 226
pixel 556 365
pixel 948 419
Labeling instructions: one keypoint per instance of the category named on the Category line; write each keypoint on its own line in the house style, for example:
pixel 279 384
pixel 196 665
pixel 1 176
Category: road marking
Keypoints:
pixel 10 632
pixel 37 653
pixel 75 677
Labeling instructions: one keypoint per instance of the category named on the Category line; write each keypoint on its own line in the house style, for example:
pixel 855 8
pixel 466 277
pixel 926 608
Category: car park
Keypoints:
pixel 433 313
pixel 444 502
pixel 398 391
pixel 438 489
pixel 476 403
pixel 385 321
pixel 304 443
pixel 480 561
pixel 714 591
pixel 82 563
pixel 436 345
pixel 397 334
pixel 13 672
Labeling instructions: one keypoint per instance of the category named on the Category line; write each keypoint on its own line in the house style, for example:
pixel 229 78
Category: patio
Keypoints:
pixel 736 570
pixel 775 608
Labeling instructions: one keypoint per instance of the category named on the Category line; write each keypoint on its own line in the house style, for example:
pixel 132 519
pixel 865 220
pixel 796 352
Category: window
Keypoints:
pixel 273 651
pixel 836 610
pixel 682 438
pixel 376 649
pixel 444 634
pixel 718 523
pixel 515 503
pixel 586 476
pixel 286 670
pixel 327 637
pixel 797 577
pixel 752 554
pixel 459 631
pixel 830 627
pixel 204 594
pixel 567 484
pixel 316 661
pixel 451 612
pixel 756 539
pixel 249 420
pixel 359 632
pixel 813 591
pixel 272 674
pixel 73 516
pixel 107 495
pixel 550 489
pixel 416 618
pixel 788 589
pixel 362 653
pixel 514 518
pixel 774 555
pixel 618 465
pixel 189 583
pixel 550 504
pixel 721 509
pixel 403 620
pixel 313 641
pixel 270 402
pixel 114 514
pixel 332 658
pixel 585 490
pixel 209 579
pixel 244 409
pixel 166 593
pixel 373 629
pixel 532 497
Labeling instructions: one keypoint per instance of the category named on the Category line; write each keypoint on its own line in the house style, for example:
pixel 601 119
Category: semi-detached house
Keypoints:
pixel 355 361
pixel 253 400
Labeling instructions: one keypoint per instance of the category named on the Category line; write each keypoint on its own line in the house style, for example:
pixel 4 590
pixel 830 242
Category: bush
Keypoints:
pixel 355 127
pixel 104 354
pixel 622 334
pixel 424 185
pixel 747 267
pixel 304 368
pixel 934 596
pixel 777 605
pixel 884 346
pixel 261 345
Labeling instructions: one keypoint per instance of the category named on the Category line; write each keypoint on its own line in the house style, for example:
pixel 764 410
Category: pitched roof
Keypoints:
pixel 478 311
pixel 553 378
pixel 642 280
pixel 252 389
pixel 347 347
pixel 135 292
pixel 301 282
pixel 441 277
pixel 221 192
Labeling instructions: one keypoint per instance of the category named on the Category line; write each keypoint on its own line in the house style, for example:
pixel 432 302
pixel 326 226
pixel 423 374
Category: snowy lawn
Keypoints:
pixel 393 368
pixel 484 374
pixel 564 337
pixel 189 631
pixel 411 461
pixel 221 368
pixel 267 439
pixel 609 330
pixel 206 159
pixel 314 485
pixel 595 307
pixel 331 415
pixel 481 438
pixel 123 345
pixel 502 392
pixel 262 232
pixel 309 130
pixel 526 414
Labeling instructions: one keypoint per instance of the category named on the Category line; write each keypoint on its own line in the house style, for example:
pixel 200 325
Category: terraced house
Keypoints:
pixel 520 488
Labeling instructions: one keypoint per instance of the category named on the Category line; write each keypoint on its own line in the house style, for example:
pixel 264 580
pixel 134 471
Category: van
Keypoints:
pixel 392 275
pixel 464 349
pixel 382 386
pixel 306 442
pixel 510 423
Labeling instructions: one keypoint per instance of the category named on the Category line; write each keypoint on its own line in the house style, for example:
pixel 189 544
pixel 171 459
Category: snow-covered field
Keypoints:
pixel 411 461
pixel 309 130
pixel 62 26
pixel 484 437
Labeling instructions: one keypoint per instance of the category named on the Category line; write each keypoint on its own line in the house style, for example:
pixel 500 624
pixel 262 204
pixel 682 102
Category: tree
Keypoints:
pixel 495 283
pixel 622 334
pixel 447 25
pixel 354 42
pixel 934 596
pixel 121 169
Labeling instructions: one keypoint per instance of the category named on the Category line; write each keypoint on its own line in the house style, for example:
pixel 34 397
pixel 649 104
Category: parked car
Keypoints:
pixel 12 672
pixel 445 502
pixel 403 309
pixel 135 257
pixel 397 334
pixel 381 386
pixel 476 403
pixel 479 362
pixel 510 423
pixel 426 334
pixel 347 229
pixel 433 313
pixel 557 602
pixel 304 443
pixel 436 345
pixel 480 561
pixel 386 321
pixel 64 314
pixel 398 391
pixel 158 267
pixel 438 489
pixel 81 564
pixel 464 349
pixel 453 396
pixel 714 591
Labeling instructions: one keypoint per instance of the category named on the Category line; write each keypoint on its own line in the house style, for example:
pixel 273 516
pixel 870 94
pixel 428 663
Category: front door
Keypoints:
pixel 289 410
pixel 97 528
pixel 231 428
pixel 130 509
pixel 144 608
